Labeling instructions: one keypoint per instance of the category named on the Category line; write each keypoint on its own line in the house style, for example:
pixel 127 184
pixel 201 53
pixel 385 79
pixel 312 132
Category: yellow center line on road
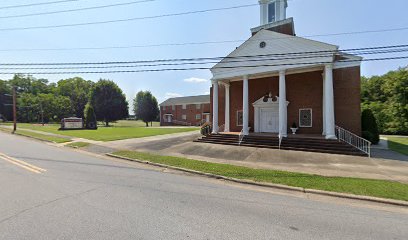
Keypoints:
pixel 22 164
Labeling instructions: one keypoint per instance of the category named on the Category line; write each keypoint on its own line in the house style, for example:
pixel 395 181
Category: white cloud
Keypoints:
pixel 172 95
pixel 195 80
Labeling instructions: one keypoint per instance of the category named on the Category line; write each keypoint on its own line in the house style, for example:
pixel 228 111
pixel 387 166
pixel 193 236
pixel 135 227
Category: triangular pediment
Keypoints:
pixel 269 51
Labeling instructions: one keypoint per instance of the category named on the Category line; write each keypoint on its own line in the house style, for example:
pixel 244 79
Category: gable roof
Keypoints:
pixel 273 57
pixel 186 100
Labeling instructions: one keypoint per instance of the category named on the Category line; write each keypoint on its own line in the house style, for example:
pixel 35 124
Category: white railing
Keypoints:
pixel 241 137
pixel 280 141
pixel 353 140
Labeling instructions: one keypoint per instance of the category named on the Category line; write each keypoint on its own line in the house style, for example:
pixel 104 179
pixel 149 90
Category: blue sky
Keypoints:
pixel 311 17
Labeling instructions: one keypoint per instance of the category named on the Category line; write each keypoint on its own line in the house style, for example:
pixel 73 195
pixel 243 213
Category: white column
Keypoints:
pixel 324 106
pixel 215 107
pixel 329 102
pixel 283 113
pixel 227 107
pixel 245 107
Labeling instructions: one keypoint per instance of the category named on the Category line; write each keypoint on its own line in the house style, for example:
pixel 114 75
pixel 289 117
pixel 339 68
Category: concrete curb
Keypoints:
pixel 271 185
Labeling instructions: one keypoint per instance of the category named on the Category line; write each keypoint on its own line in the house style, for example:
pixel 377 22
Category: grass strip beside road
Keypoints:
pixel 398 144
pixel 364 187
pixel 106 134
pixel 43 137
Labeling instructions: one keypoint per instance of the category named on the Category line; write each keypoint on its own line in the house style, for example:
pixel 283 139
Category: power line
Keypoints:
pixel 199 43
pixel 127 19
pixel 344 51
pixel 37 4
pixel 196 63
pixel 76 10
pixel 202 68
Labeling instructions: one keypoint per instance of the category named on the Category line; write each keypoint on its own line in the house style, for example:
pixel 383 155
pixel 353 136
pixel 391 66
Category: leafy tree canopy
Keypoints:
pixel 387 97
pixel 108 101
pixel 78 90
pixel 145 107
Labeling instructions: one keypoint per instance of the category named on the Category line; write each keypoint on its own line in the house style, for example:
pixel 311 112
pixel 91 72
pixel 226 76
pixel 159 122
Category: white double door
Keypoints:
pixel 269 120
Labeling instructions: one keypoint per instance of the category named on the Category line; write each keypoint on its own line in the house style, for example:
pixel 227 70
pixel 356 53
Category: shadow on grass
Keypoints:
pixel 398 147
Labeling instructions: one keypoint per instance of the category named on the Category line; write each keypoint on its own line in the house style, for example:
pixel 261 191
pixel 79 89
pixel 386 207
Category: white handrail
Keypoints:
pixel 241 137
pixel 280 141
pixel 353 140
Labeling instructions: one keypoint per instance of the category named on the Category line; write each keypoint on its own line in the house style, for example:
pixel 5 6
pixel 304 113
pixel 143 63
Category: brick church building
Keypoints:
pixel 276 79
pixel 185 111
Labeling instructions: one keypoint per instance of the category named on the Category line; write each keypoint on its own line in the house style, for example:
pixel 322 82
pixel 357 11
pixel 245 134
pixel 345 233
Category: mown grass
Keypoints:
pixel 42 136
pixel 78 144
pixel 124 130
pixel 398 144
pixel 366 187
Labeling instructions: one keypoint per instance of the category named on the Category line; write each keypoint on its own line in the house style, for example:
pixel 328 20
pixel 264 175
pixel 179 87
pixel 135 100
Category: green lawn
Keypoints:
pixel 118 131
pixel 398 144
pixel 42 136
pixel 366 187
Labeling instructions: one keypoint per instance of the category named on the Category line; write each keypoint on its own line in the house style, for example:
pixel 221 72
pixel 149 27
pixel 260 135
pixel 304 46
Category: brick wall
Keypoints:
pixel 303 90
pixel 191 111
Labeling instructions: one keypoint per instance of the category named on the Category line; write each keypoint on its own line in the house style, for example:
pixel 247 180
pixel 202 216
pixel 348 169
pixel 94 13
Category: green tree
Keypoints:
pixel 29 84
pixel 369 126
pixel 5 99
pixel 145 107
pixel 78 90
pixel 108 101
pixel 387 97
pixel 43 107
pixel 90 117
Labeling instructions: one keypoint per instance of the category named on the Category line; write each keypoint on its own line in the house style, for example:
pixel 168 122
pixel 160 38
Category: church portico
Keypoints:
pixel 276 81
pixel 302 90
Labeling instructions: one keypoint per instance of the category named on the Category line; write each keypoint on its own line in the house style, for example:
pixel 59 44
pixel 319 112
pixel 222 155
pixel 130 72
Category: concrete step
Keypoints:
pixel 295 144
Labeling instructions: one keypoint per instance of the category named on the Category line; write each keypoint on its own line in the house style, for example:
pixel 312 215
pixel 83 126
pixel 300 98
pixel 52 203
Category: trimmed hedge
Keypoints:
pixel 370 127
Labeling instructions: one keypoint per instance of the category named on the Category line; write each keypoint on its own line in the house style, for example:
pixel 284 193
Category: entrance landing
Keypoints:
pixel 298 142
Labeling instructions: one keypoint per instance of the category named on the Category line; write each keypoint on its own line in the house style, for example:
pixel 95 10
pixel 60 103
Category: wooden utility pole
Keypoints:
pixel 14 109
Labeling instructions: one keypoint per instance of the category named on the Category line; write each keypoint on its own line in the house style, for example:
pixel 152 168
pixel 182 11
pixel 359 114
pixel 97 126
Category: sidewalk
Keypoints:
pixel 394 168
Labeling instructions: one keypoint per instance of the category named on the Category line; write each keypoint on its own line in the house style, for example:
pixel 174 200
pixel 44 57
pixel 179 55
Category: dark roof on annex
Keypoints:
pixel 186 100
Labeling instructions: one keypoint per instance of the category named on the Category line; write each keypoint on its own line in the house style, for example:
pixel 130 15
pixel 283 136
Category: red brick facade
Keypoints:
pixel 304 90
pixel 194 114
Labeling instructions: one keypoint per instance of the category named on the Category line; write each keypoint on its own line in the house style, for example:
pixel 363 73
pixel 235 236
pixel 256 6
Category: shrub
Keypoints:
pixel 90 117
pixel 368 136
pixel 206 129
pixel 369 124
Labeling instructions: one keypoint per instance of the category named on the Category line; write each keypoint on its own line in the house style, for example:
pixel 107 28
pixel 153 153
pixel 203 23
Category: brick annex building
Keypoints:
pixel 275 79
pixel 187 111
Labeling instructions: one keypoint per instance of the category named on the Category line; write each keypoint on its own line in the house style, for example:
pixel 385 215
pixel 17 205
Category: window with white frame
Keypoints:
pixel 305 117
pixel 198 106
pixel 184 117
pixel 271 12
pixel 173 107
pixel 184 106
pixel 240 118
pixel 198 116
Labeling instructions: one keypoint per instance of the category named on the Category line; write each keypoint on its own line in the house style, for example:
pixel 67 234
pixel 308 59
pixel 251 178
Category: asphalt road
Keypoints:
pixel 66 194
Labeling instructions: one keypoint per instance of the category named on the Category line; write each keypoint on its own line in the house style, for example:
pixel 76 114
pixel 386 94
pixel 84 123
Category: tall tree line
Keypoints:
pixel 39 100
pixel 387 97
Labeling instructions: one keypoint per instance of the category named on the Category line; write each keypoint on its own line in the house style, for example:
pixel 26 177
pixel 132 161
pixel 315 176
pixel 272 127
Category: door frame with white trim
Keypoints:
pixel 271 105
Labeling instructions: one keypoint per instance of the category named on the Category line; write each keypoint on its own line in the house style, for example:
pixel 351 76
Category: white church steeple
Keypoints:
pixel 273 10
